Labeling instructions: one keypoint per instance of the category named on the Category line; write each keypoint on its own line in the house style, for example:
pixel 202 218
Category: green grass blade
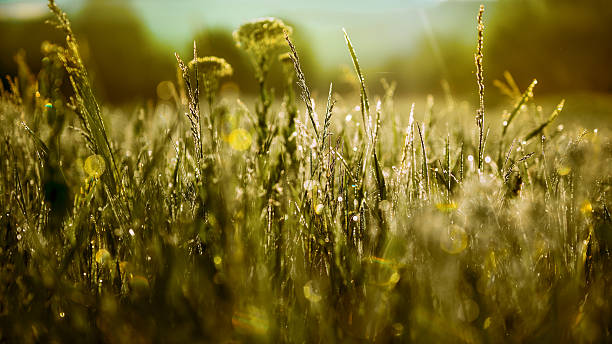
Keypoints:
pixel 365 104
pixel 551 119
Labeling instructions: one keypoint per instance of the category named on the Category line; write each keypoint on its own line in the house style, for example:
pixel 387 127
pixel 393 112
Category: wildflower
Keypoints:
pixel 262 35
pixel 212 67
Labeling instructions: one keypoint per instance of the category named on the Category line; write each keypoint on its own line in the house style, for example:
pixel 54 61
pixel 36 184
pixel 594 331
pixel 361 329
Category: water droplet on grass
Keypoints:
pixel 454 240
pixel 319 209
pixel 311 293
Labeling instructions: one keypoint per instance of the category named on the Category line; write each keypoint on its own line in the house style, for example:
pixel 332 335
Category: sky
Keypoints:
pixel 401 22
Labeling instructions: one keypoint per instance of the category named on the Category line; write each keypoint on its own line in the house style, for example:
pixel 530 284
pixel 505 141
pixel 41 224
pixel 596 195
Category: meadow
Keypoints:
pixel 204 217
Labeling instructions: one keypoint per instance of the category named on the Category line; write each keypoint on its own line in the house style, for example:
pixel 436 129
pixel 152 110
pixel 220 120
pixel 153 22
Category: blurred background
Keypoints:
pixel 129 45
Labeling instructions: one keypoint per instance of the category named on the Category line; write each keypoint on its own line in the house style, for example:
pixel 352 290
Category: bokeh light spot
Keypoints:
pixel 94 166
pixel 240 139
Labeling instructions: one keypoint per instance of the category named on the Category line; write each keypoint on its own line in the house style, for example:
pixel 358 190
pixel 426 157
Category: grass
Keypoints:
pixel 264 224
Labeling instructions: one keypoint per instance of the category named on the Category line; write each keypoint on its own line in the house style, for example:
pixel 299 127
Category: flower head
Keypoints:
pixel 262 35
pixel 212 66
pixel 212 69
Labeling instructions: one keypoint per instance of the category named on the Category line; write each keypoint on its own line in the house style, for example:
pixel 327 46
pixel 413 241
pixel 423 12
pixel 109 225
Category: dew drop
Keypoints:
pixel 311 293
pixel 319 209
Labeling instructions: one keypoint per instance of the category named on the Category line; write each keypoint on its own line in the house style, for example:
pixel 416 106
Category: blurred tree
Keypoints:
pixel 450 59
pixel 564 44
pixel 26 35
pixel 125 61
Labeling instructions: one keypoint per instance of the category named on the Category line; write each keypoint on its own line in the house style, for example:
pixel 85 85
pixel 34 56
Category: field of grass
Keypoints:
pixel 199 218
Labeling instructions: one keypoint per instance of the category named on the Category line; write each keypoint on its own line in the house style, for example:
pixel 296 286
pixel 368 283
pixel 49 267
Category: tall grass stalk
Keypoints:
pixel 480 114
